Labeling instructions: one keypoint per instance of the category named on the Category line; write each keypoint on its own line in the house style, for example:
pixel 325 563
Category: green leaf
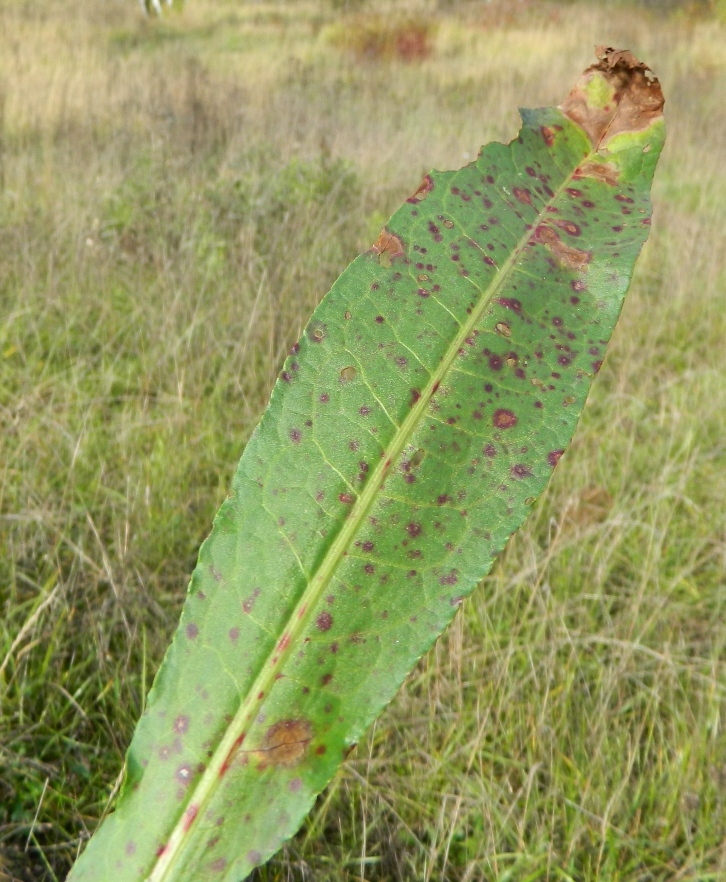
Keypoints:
pixel 422 412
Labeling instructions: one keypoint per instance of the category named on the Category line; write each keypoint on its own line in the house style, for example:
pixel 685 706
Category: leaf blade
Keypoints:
pixel 425 407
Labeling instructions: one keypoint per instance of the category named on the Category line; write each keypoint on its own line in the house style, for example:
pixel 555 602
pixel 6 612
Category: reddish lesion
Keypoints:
pixel 425 187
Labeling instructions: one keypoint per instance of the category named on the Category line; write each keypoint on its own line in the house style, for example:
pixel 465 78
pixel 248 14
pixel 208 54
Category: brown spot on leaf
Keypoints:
pixel 548 135
pixel 504 419
pixel 509 303
pixel 520 471
pixel 600 171
pixel 389 245
pixel 569 257
pixel 568 226
pixel 553 457
pixel 524 196
pixel 324 621
pixel 286 742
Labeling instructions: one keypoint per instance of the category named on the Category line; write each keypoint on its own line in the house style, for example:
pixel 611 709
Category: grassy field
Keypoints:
pixel 175 197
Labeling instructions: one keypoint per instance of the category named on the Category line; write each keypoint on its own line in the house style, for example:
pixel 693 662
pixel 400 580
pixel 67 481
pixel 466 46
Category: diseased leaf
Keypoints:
pixel 422 412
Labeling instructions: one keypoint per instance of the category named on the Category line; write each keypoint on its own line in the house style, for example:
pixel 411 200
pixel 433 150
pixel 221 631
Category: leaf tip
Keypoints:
pixel 617 94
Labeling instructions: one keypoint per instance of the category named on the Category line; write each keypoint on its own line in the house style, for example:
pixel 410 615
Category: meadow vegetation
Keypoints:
pixel 175 197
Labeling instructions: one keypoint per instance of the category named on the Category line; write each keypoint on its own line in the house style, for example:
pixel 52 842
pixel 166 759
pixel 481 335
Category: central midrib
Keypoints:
pixel 297 622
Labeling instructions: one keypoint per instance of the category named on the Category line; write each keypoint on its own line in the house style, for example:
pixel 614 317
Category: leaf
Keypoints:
pixel 422 412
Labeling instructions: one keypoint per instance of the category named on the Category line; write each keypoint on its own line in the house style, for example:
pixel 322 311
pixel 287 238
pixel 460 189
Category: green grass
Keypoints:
pixel 175 198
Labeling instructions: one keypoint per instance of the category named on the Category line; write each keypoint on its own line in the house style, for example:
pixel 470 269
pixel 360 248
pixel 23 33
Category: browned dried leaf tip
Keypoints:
pixel 636 97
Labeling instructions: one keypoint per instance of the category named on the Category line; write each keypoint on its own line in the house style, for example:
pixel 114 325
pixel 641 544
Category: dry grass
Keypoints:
pixel 176 195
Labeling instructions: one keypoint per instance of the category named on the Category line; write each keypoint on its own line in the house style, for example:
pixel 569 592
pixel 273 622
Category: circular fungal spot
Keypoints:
pixel 181 724
pixel 234 634
pixel 348 373
pixel 413 529
pixel 504 419
pixel 346 498
pixel 324 621
pixel 192 631
pixel 449 223
pixel 569 227
pixel 184 774
pixel 324 398
pixel 364 410
pixel 295 436
pixel 295 786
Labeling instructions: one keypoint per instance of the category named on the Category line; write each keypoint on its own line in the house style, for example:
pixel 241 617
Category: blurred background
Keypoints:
pixel 176 195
